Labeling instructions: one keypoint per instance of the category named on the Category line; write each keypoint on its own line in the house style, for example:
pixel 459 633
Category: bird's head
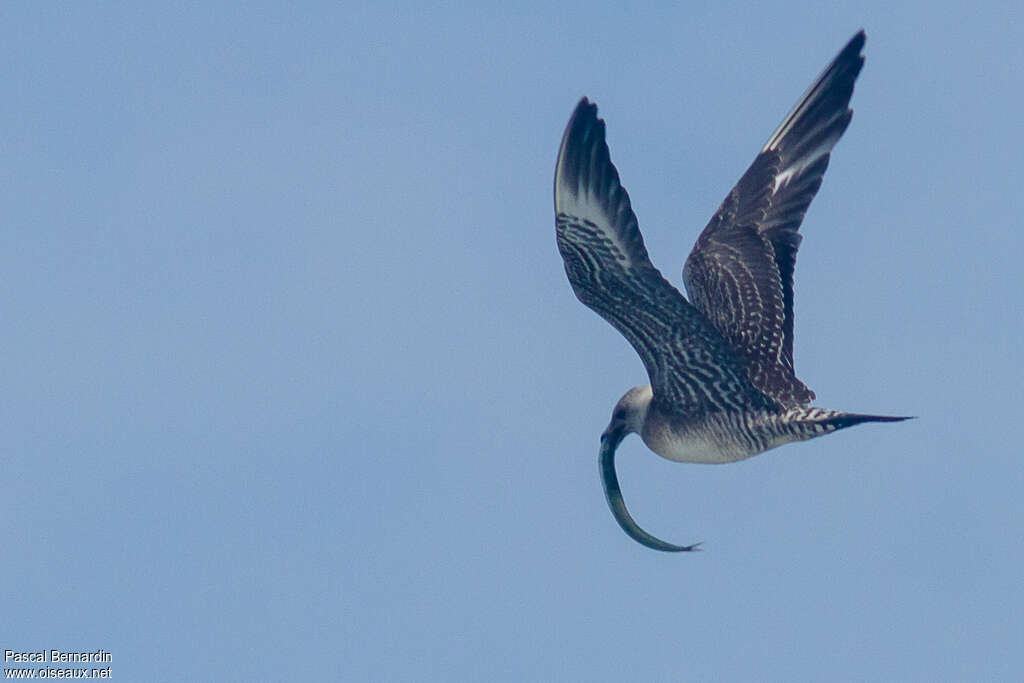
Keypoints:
pixel 629 414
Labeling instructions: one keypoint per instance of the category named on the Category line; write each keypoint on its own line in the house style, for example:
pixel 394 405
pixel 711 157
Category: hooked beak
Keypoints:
pixel 614 436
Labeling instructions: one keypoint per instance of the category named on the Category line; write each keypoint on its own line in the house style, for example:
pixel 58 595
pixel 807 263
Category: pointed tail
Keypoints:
pixel 808 422
pixel 843 420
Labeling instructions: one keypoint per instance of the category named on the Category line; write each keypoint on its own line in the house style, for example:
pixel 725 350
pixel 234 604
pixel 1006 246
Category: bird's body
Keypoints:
pixel 718 438
pixel 723 387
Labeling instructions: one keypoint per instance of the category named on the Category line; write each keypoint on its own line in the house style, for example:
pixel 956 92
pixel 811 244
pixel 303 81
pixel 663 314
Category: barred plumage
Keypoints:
pixel 723 386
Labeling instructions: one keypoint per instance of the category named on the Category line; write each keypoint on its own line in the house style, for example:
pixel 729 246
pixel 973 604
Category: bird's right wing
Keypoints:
pixel 690 365
pixel 740 272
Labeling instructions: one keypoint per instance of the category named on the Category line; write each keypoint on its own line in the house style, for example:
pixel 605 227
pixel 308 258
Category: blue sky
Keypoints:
pixel 296 388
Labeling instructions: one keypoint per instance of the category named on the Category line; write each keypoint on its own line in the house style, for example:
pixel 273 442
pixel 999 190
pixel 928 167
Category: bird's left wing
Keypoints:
pixel 690 365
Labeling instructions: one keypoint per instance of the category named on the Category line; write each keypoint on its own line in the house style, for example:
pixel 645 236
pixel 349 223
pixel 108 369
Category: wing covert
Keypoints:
pixel 740 272
pixel 690 366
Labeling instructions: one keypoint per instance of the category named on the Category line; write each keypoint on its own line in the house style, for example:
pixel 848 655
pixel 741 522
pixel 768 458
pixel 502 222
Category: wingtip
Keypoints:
pixel 852 51
pixel 584 133
pixel 856 43
pixel 584 116
pixel 828 97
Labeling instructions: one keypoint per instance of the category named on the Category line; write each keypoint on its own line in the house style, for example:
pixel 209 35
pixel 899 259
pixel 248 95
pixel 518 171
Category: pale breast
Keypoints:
pixel 715 438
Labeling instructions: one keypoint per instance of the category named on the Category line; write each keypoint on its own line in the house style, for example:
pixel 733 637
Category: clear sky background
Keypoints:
pixel 295 387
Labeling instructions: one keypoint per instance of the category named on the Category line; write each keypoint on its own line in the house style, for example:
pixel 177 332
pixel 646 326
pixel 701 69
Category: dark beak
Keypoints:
pixel 613 436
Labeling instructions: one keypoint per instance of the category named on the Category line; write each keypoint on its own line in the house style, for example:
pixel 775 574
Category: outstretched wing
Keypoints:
pixel 690 366
pixel 740 272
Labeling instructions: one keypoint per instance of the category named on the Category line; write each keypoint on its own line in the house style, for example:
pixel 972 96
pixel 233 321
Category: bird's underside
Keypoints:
pixel 722 381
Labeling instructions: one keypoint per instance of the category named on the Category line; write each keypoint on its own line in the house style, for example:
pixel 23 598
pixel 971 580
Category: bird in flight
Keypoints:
pixel 722 385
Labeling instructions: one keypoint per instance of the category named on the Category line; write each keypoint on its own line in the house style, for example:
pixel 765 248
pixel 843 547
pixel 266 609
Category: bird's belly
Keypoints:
pixel 699 449
pixel 720 437
pixel 712 442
